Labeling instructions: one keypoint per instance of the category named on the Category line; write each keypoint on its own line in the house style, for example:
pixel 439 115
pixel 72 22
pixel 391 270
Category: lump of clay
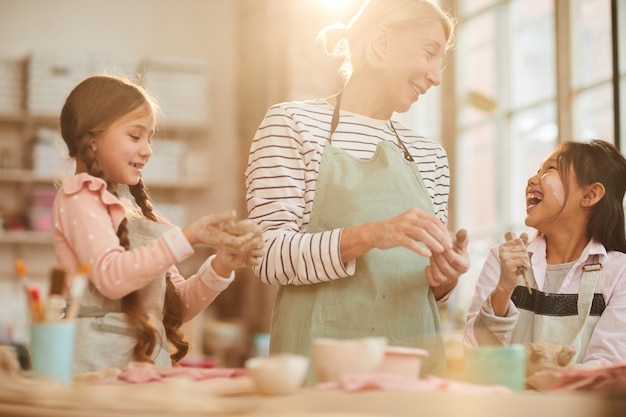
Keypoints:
pixel 547 356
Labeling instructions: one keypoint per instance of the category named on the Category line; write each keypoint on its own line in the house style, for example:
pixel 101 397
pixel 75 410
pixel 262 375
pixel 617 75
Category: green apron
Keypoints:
pixel 104 338
pixel 389 294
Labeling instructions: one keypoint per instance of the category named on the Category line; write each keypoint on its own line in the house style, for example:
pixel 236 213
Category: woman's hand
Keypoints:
pixel 445 268
pixel 410 228
pixel 407 230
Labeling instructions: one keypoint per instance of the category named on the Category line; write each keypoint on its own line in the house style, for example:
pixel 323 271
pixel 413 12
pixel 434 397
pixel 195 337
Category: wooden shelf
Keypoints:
pixel 24 176
pixel 28 237
pixel 164 126
pixel 29 177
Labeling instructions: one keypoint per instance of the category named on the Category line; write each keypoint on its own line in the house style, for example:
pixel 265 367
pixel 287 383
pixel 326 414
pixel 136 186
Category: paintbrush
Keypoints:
pixel 34 296
pixel 521 270
pixel 55 302
pixel 20 270
pixel 76 291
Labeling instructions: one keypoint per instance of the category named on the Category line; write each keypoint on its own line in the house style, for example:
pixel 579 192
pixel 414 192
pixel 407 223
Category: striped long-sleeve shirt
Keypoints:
pixel 281 177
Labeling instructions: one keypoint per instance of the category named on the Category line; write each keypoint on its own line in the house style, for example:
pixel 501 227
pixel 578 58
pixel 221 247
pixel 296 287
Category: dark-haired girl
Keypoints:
pixel 576 266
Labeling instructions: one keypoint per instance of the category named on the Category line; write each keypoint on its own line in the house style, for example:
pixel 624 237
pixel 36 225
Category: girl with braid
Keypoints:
pixel 136 300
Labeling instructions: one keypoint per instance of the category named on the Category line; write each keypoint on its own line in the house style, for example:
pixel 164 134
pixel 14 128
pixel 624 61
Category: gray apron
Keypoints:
pixel 103 337
pixel 560 327
pixel 389 294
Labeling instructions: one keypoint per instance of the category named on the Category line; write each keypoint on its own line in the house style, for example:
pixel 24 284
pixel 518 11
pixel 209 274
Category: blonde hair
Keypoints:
pixel 352 44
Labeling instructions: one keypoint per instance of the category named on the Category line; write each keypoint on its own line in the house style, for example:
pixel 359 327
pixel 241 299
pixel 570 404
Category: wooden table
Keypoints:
pixel 311 402
pixel 238 397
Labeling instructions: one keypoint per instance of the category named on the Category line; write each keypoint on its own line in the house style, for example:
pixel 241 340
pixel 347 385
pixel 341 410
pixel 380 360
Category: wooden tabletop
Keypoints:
pixel 238 397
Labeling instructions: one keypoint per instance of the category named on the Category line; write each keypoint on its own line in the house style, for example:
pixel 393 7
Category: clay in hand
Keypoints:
pixel 251 251
pixel 220 231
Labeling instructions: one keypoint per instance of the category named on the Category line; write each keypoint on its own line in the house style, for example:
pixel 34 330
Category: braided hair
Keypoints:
pixel 92 106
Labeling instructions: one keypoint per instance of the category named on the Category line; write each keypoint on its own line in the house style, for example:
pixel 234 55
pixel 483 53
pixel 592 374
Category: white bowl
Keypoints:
pixel 401 360
pixel 335 357
pixel 276 374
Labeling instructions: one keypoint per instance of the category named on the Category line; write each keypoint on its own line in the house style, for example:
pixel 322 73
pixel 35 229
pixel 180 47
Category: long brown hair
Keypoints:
pixel 599 161
pixel 92 106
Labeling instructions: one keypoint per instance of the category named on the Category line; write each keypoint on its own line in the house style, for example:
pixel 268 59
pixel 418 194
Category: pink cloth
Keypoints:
pixel 606 379
pixel 393 382
pixel 142 372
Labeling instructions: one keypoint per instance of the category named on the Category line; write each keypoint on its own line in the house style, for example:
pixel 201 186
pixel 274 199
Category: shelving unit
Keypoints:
pixel 178 188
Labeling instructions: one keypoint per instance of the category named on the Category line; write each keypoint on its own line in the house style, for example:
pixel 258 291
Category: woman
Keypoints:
pixel 354 205
pixel 576 265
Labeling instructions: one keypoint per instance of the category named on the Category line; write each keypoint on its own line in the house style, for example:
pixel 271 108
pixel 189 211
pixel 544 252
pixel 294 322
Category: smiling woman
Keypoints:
pixel 353 203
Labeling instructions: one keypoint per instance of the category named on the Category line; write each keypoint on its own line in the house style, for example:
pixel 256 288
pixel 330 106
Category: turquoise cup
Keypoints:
pixel 497 365
pixel 51 350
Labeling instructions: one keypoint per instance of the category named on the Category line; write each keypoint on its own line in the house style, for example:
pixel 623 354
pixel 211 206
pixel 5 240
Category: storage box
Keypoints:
pixel 182 88
pixel 11 85
pixel 51 77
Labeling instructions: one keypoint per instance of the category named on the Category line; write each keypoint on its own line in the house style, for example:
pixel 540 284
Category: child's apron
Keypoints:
pixel 103 337
pixel 565 319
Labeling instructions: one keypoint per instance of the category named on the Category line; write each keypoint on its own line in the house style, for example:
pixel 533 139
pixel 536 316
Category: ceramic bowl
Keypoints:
pixel 401 360
pixel 335 357
pixel 278 374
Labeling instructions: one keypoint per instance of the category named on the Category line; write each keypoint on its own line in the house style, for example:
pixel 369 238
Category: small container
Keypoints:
pixel 51 350
pixel 278 374
pixel 401 360
pixel 497 365
pixel 333 358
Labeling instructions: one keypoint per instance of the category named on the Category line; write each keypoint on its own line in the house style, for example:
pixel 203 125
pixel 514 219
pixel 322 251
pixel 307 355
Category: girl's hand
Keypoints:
pixel 219 231
pixel 513 260
pixel 249 253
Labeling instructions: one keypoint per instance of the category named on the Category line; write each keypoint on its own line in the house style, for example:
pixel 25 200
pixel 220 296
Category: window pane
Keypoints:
pixel 477 181
pixel 591 42
pixel 424 117
pixel 532 51
pixel 472 6
pixel 476 75
pixel 534 135
pixel 593 114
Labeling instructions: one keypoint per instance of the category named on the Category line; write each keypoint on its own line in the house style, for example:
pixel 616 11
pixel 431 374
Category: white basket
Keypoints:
pixel 11 85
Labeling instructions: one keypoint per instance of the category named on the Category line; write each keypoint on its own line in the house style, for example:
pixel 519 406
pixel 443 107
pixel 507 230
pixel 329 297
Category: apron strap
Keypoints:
pixel 588 285
pixel 335 122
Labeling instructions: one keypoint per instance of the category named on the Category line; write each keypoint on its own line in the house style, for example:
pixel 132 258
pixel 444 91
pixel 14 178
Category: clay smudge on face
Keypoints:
pixel 558 192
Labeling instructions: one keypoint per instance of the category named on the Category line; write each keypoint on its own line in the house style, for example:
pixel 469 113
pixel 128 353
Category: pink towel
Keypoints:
pixel 607 379
pixel 393 382
pixel 140 372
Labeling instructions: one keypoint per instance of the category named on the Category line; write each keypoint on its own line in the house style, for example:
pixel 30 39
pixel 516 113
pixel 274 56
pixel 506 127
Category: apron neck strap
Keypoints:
pixel 335 122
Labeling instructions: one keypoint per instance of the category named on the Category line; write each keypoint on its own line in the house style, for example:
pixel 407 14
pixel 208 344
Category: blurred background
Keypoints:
pixel 523 75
